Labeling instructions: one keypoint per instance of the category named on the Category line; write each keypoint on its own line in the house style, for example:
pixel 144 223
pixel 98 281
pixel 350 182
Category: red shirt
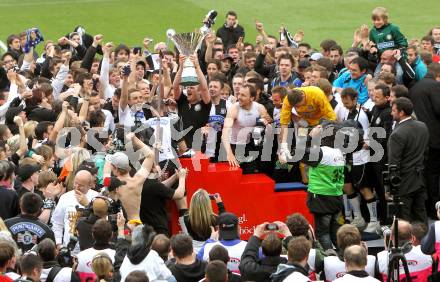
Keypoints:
pixel 4 278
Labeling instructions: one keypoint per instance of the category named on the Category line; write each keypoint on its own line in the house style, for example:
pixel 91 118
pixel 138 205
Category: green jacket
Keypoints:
pixel 388 37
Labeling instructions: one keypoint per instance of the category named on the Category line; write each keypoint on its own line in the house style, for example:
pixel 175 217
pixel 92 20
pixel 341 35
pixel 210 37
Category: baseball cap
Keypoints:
pixel 119 160
pixel 304 64
pixel 112 183
pixel 227 57
pixel 26 171
pixel 228 223
pixel 316 56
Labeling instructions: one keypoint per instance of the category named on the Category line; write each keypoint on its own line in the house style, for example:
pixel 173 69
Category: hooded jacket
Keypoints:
pixel 284 270
pixel 140 257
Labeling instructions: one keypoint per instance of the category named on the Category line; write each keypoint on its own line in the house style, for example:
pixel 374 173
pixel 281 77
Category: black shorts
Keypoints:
pixel 359 176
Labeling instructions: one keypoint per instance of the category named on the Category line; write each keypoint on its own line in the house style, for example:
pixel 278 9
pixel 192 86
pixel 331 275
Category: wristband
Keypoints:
pixel 48 204
pixel 30 153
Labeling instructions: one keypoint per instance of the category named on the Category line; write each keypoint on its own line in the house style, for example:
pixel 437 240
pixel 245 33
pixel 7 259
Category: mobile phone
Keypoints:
pixel 271 227
pixel 213 196
pixel 137 50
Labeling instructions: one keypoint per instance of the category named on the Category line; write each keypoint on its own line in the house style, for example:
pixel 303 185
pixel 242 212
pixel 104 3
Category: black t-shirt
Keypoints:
pixel 153 211
pixel 193 115
pixel 190 272
pixel 8 203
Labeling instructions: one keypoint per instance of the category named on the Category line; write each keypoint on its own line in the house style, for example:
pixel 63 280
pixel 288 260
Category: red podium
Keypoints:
pixel 252 197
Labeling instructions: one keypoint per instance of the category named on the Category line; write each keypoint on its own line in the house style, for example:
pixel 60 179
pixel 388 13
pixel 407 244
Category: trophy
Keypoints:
pixel 187 43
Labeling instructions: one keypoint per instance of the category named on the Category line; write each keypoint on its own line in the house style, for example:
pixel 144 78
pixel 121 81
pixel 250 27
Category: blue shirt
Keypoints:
pixel 345 81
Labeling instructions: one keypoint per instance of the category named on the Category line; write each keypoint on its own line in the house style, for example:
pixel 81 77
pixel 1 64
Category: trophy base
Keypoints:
pixel 189 81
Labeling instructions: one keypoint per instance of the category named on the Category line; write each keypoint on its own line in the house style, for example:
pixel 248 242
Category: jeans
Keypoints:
pixel 326 226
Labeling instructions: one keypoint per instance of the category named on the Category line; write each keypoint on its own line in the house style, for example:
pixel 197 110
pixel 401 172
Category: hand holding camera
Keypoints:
pixel 126 70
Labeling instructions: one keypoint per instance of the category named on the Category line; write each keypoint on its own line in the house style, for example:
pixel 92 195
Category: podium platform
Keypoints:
pixel 252 197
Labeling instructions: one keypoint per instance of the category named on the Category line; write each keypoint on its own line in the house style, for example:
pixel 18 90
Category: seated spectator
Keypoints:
pixel 334 266
pixel 253 268
pixel 229 237
pixel 186 267
pixel 218 252
pixel 296 268
pixel 140 256
pixel 102 233
pixel 26 229
pixel 355 258
pixel 52 271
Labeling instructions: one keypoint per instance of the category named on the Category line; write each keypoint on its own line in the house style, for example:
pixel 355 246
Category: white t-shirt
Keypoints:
pixel 85 259
pixel 64 212
pixel 362 156
pixel 64 275
pixel 349 278
pixel 152 264
pixel 126 116
pixel 165 124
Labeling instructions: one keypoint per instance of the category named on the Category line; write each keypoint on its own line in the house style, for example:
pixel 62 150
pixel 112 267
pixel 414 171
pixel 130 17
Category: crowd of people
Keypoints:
pixel 91 134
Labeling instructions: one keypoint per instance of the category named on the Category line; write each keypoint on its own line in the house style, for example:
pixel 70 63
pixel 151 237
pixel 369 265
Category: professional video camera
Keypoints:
pixel 391 182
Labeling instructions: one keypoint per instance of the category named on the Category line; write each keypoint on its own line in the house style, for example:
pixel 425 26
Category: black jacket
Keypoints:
pixel 8 203
pixel 269 71
pixel 425 96
pixel 188 273
pixel 230 35
pixel 380 116
pixel 27 231
pixel 253 268
pixel 407 147
pixel 84 228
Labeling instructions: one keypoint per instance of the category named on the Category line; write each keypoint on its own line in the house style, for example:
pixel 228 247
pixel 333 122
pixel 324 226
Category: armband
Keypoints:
pixel 30 153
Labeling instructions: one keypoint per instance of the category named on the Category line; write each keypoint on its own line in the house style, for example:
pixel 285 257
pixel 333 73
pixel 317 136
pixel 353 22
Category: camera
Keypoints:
pixel 213 196
pixel 271 227
pixel 118 144
pixel 391 179
pixel 258 133
pixel 126 70
pixel 391 183
pixel 64 257
pixel 209 21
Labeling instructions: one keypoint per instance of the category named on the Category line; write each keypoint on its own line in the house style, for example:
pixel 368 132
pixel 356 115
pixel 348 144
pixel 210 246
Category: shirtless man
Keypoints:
pixel 130 193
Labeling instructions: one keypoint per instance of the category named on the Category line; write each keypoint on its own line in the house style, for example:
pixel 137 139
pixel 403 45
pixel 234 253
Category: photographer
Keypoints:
pixel 421 265
pixel 407 146
pixel 99 210
pixel 254 268
pixel 52 271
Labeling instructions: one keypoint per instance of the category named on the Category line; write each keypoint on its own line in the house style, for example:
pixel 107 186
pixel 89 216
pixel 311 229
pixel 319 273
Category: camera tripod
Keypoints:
pixel 395 255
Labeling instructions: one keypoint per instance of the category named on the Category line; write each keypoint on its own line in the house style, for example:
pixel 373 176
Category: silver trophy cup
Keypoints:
pixel 187 43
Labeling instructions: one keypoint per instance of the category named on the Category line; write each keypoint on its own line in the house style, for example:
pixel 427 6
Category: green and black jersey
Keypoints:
pixel 388 37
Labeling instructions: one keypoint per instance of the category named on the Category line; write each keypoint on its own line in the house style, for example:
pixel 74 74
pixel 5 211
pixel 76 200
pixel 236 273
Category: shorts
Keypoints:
pixel 359 176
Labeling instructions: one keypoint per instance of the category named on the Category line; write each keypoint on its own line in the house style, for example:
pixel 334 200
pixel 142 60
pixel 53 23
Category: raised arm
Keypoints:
pixel 178 78
pixel 58 82
pixel 23 144
pixel 203 86
pixel 123 101
pixel 59 124
pixel 87 61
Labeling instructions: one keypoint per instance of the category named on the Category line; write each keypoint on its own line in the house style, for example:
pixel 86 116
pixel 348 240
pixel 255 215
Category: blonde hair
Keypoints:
pixel 14 143
pixel 102 266
pixel 29 128
pixel 380 13
pixel 200 213
pixel 78 156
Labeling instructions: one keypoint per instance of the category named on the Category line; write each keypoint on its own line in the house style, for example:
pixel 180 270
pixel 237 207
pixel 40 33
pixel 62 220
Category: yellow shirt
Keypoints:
pixel 316 107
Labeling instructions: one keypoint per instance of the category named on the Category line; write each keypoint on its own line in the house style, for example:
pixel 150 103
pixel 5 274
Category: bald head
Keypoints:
pixel 404 231
pixel 83 181
pixel 387 57
pixel 355 258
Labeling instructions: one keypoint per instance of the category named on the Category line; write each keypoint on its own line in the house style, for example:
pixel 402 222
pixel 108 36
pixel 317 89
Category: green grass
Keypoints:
pixel 130 21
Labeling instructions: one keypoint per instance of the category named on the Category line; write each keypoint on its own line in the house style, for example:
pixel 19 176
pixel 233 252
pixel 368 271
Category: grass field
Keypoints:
pixel 130 21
